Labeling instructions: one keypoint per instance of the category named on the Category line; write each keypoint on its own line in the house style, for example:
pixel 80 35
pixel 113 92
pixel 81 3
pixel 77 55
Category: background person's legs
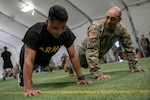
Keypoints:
pixel 4 73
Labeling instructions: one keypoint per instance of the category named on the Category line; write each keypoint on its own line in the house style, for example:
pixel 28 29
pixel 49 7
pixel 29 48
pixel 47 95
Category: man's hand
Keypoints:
pixel 84 82
pixel 138 70
pixel 32 93
pixel 103 77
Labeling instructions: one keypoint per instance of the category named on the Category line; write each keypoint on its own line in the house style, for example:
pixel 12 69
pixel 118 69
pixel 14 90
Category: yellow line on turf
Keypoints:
pixel 89 92
pixel 96 92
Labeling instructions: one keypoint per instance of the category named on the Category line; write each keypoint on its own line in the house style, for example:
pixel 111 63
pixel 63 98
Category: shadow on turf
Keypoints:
pixel 110 73
pixel 53 84
pixel 61 84
pixel 117 72
pixel 123 72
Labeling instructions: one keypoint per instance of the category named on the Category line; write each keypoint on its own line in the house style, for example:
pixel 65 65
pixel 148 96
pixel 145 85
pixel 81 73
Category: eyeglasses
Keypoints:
pixel 57 30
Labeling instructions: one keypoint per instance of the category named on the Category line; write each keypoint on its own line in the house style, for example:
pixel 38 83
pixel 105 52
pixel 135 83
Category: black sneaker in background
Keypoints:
pixel 15 77
pixel 3 79
pixel 20 80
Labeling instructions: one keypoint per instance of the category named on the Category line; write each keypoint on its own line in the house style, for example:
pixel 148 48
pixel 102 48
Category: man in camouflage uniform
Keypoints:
pixel 101 37
pixel 66 64
pixel 50 67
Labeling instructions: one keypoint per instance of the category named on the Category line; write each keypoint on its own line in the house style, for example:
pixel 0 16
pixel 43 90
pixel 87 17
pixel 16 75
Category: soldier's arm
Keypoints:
pixel 129 49
pixel 92 53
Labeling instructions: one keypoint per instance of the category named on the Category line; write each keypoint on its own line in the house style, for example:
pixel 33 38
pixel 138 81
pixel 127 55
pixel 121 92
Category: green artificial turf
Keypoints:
pixel 123 85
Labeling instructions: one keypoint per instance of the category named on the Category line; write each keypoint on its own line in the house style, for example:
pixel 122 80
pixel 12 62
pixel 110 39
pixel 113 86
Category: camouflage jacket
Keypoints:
pixel 95 48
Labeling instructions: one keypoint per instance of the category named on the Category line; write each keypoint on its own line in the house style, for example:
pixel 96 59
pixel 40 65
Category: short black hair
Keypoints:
pixel 5 47
pixel 57 12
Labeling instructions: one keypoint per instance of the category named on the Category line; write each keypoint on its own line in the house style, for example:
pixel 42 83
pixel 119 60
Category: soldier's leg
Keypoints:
pixel 65 68
pixel 4 73
pixel 71 73
pixel 145 51
pixel 13 72
pixel 81 53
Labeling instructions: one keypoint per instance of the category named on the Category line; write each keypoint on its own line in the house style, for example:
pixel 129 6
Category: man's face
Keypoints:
pixel 56 28
pixel 112 19
pixel 142 36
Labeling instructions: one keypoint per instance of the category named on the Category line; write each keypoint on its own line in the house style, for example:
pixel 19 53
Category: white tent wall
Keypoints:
pixel 81 33
pixel 126 22
pixel 141 19
pixel 14 23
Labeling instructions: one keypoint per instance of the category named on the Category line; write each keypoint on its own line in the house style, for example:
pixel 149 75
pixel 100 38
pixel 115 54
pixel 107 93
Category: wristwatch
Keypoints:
pixel 81 78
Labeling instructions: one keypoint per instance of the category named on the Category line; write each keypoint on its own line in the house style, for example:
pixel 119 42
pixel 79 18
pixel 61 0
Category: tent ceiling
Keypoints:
pixel 14 23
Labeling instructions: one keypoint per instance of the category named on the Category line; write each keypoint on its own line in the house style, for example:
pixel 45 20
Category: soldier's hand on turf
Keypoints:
pixel 138 70
pixel 31 93
pixel 103 77
pixel 84 82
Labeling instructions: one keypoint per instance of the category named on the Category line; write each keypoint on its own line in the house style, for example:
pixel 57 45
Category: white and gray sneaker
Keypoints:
pixel 20 80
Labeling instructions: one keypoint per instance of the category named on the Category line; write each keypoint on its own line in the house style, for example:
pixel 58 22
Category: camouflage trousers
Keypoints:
pixel 94 70
pixel 68 67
